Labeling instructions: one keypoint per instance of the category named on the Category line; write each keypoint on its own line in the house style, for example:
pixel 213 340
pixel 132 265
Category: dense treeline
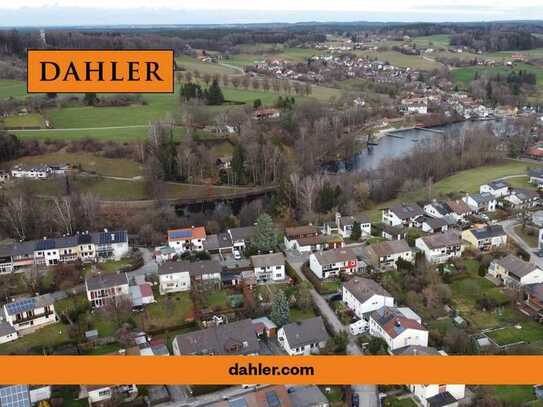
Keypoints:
pixel 494 40
pixel 511 89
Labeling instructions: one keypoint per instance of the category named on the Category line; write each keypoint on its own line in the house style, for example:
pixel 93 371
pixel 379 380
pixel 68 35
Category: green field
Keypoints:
pixel 399 59
pixel 463 181
pixel 193 65
pixel 169 311
pixel 514 396
pixel 12 88
pixel 288 54
pixel 23 121
pixel 114 167
pixel 49 336
pixel 433 41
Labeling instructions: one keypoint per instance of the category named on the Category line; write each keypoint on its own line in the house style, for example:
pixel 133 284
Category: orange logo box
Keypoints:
pixel 100 71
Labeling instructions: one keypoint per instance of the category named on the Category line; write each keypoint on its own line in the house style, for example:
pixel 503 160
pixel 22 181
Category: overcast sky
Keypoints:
pixel 106 12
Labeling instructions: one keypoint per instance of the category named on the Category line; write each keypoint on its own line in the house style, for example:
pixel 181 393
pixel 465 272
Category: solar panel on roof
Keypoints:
pixel 15 396
pixel 18 307
pixel 238 403
pixel 46 244
pixel 180 234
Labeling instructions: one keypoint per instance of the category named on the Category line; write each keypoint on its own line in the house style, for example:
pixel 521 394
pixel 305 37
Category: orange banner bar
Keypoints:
pixel 259 369
pixel 100 71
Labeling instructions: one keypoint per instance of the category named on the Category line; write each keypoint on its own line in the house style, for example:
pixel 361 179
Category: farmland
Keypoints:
pixel 402 60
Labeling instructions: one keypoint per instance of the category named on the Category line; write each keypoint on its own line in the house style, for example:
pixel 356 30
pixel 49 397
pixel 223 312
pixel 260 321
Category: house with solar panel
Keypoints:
pixel 187 240
pixel 32 312
pixel 398 327
pixel 105 289
pixel 7 332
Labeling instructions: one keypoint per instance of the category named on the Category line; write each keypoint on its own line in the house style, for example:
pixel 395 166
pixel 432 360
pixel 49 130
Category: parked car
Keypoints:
pixel 355 401
pixel 237 255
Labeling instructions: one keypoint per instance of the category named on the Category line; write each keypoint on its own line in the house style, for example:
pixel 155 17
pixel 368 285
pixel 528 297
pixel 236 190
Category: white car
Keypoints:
pixel 237 255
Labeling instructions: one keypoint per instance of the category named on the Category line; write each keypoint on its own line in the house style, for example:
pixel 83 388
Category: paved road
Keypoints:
pixel 367 393
pixel 509 228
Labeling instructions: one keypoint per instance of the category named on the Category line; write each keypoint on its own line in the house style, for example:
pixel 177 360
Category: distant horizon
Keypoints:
pixel 69 16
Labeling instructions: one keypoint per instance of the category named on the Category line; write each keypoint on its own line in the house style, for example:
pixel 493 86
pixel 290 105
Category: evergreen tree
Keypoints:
pixel 280 309
pixel 238 164
pixel 257 103
pixel 90 99
pixel 214 94
pixel 265 239
pixel 356 232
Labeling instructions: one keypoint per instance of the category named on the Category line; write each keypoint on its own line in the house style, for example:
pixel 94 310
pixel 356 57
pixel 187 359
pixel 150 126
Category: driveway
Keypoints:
pixel 509 228
pixel 367 393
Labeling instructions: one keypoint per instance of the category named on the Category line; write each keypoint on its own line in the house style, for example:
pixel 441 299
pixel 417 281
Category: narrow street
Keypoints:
pixel 367 393
pixel 509 228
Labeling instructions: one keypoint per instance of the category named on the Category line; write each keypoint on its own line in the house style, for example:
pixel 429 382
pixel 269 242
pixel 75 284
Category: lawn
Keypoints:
pixel 193 64
pixel 529 332
pixel 31 120
pixel 123 190
pixel 514 396
pixel 216 299
pixel 396 402
pixel 113 266
pixel 115 167
pixel 12 88
pixel 169 311
pixel 49 336
pixel 297 314
pixel 528 234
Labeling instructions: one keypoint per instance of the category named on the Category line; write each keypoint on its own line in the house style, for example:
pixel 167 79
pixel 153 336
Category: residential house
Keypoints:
pixel 398 327
pixel 204 273
pixel 269 267
pixel 15 395
pixel 534 300
pixel 431 225
pixel 267 114
pixel 459 209
pixel 487 238
pixel 293 234
pixel 536 176
pixel 163 254
pixel 308 395
pixel 393 232
pixel 241 236
pixel 86 247
pixel 265 396
pixel 234 338
pixel 187 239
pixel 31 171
pixel 4 176
pixel 515 272
pixel 7 332
pixel 384 255
pixel 104 289
pixel 497 189
pixel 521 198
pixel 440 247
pixel 437 209
pixel 345 225
pixel 304 337
pixel 331 263
pixel 484 202
pixel 30 312
pixel 101 393
pixel 363 296
pixel 173 277
pixel 218 244
pixel 402 214
pixel 430 395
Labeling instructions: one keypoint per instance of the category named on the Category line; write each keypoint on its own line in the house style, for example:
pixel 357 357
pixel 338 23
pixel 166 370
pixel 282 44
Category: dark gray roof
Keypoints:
pixel 516 266
pixel 441 207
pixel 235 338
pixel 488 232
pixel 242 233
pixel 28 304
pixel 434 223
pixel 305 332
pixel 196 268
pixel 6 329
pixel 364 288
pixel 485 197
pixel 216 242
pixel 441 240
pixel 525 194
pixel 306 396
pixel 536 172
pixel 407 210
pixel 393 230
pixel 268 260
pixel 441 400
pixel 106 280
pixel 499 184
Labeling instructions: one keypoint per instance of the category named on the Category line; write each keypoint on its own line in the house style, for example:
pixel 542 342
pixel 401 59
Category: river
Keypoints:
pixel 399 144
